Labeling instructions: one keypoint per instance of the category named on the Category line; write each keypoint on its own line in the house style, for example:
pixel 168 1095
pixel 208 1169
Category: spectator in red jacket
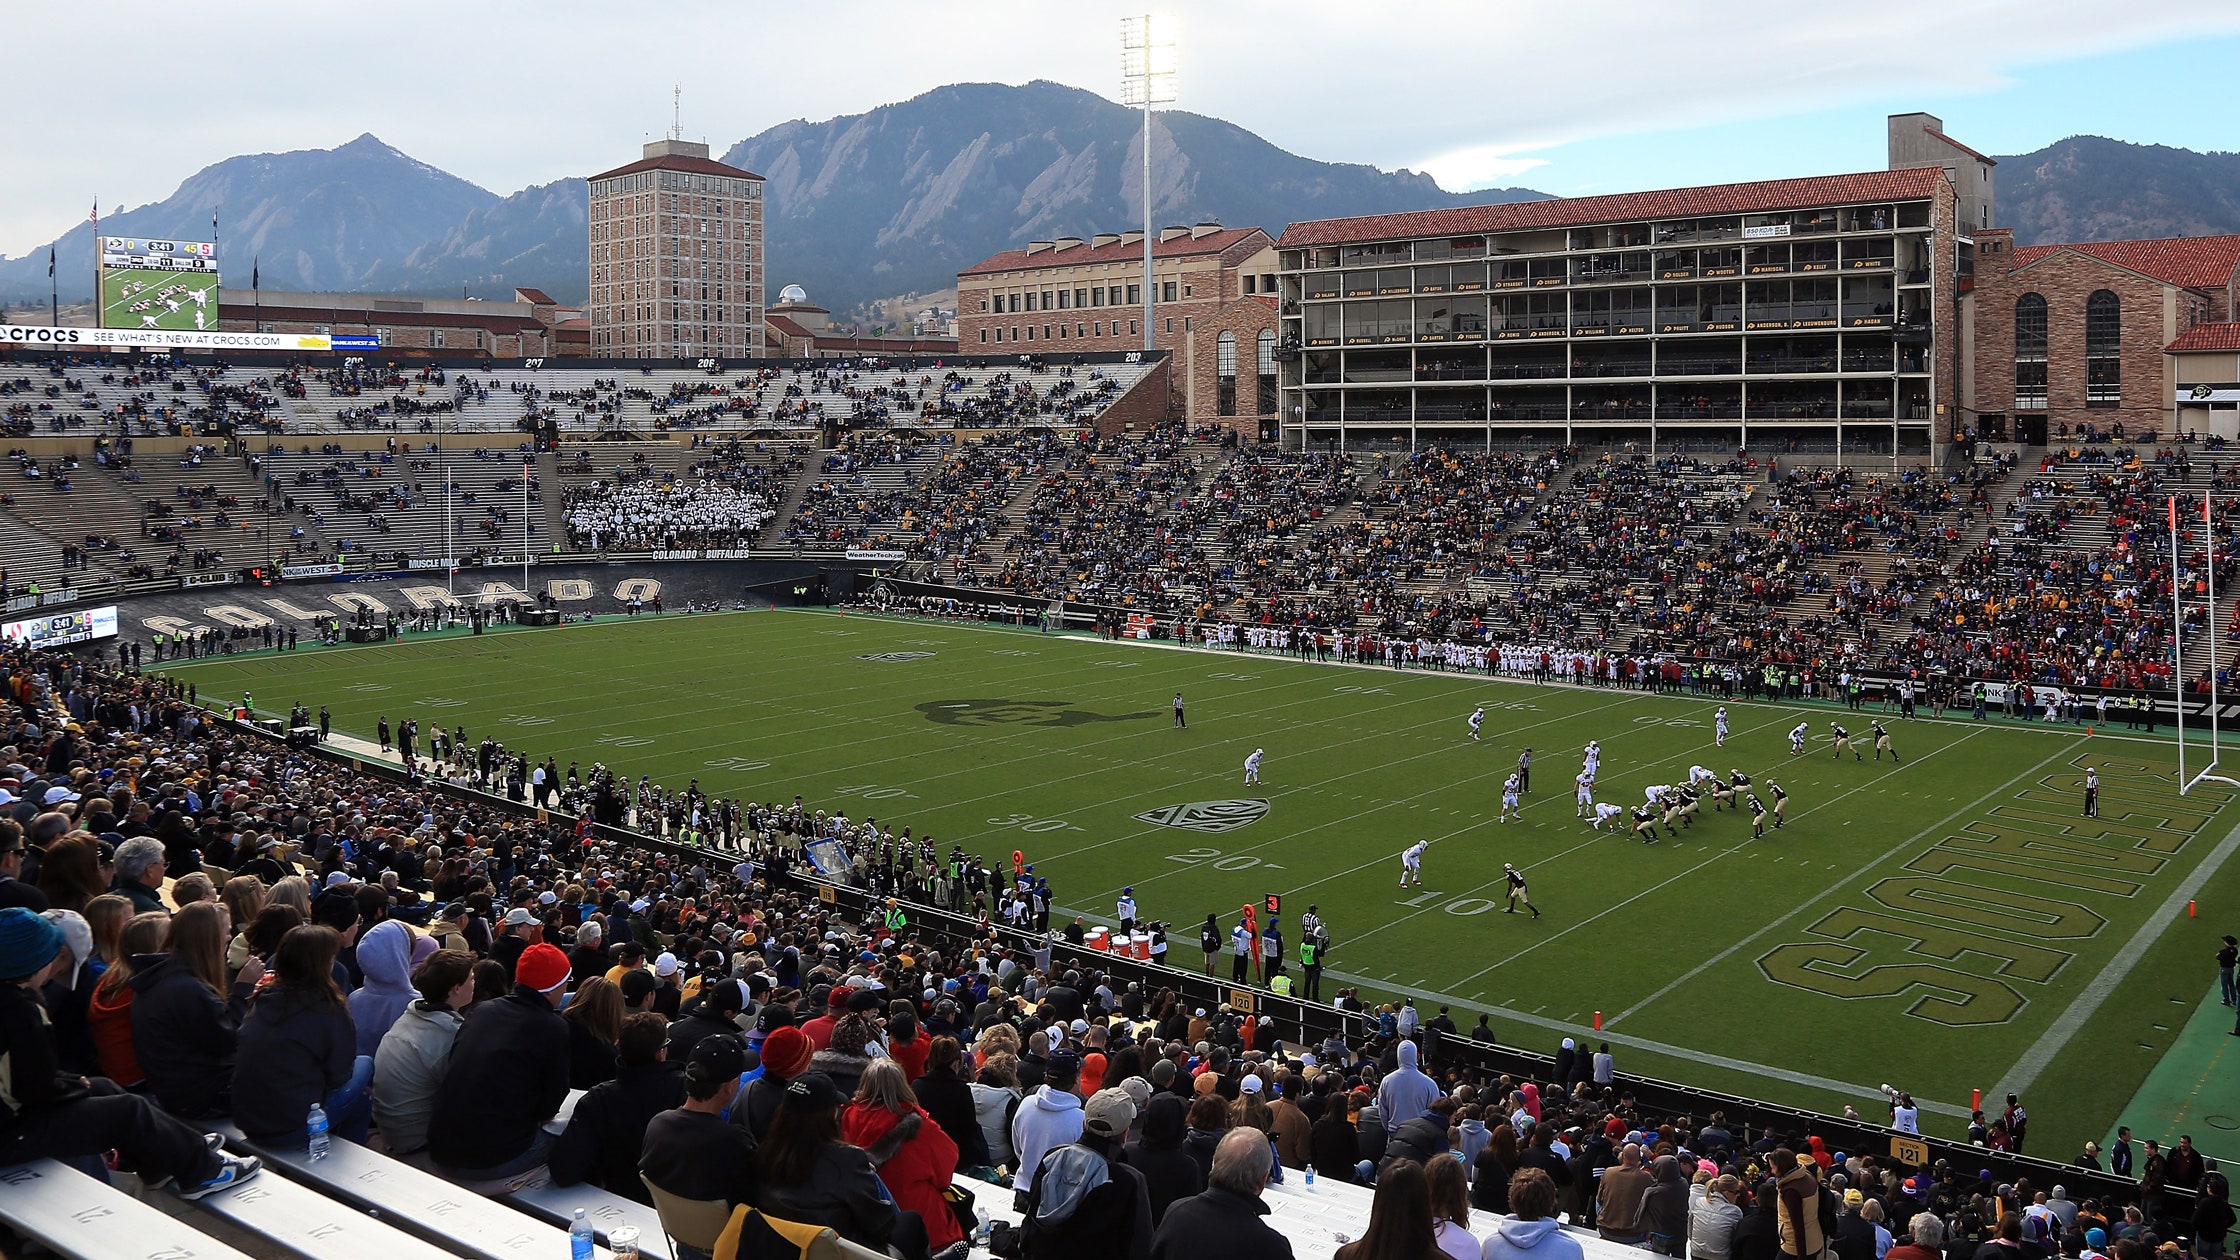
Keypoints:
pixel 915 1157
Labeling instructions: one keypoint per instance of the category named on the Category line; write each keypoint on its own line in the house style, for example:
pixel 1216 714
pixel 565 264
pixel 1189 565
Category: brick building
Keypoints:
pixel 676 257
pixel 2066 338
pixel 1214 310
pixel 436 327
pixel 2206 360
pixel 1813 314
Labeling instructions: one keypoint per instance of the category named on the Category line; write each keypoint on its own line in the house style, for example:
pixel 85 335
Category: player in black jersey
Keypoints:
pixel 1882 743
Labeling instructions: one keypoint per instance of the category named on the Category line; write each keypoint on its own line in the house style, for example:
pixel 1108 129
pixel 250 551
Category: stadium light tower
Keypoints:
pixel 1147 78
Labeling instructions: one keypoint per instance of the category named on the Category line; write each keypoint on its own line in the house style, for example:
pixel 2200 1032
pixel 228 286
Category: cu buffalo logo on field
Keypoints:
pixel 1018 713
pixel 1207 816
pixel 894 658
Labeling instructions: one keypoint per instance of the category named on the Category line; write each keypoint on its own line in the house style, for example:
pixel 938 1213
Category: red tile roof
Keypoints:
pixel 1984 158
pixel 1764 195
pixel 536 297
pixel 2225 336
pixel 1179 247
pixel 689 165
pixel 2190 262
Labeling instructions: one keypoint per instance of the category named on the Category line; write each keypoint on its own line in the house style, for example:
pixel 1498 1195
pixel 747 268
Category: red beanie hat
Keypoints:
pixel 542 967
pixel 786 1052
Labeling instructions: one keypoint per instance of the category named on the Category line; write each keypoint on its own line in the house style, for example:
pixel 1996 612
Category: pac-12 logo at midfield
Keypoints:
pixel 894 658
pixel 1207 816
pixel 1017 713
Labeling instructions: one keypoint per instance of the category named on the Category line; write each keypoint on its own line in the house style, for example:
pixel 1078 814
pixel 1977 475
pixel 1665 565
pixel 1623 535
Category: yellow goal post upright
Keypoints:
pixel 2207 773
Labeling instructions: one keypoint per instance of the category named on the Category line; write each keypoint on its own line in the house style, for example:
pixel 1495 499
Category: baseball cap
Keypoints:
pixel 542 967
pixel 638 984
pixel 519 916
pixel 1109 1113
pixel 1249 1085
pixel 716 1058
pixel 57 795
pixel 666 965
pixel 814 1091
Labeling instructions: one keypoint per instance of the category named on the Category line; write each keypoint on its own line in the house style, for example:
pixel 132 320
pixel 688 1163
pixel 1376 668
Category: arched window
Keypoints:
pixel 1267 367
pixel 2030 353
pixel 1225 374
pixel 2103 349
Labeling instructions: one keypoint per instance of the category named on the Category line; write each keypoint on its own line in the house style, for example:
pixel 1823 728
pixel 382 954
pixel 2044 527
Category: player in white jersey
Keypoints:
pixel 1509 806
pixel 1252 767
pixel 1607 812
pixel 1477 720
pixel 1796 739
pixel 1656 792
pixel 1698 776
pixel 1411 863
pixel 1585 784
pixel 1594 757
pixel 1719 725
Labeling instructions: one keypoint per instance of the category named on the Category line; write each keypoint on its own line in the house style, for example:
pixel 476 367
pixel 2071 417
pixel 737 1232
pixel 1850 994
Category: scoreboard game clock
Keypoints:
pixel 164 285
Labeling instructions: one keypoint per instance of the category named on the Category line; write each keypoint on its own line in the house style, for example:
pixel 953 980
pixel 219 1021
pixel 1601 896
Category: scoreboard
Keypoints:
pixel 160 285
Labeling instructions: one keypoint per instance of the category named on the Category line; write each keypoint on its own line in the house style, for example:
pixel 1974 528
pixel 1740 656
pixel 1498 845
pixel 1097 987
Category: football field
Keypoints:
pixel 1944 923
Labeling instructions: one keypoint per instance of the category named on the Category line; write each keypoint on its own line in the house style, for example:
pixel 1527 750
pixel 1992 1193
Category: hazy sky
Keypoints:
pixel 1552 94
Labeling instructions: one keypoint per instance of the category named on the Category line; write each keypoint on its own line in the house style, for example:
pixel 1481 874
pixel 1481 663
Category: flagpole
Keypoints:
pixel 525 467
pixel 100 315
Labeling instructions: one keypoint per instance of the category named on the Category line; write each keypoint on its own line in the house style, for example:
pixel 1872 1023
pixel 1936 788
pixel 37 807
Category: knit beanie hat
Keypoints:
pixel 542 967
pixel 853 1035
pixel 786 1052
pixel 28 942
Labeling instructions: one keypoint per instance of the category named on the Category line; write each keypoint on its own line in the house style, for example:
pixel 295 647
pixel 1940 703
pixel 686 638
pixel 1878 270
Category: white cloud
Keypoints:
pixel 1482 167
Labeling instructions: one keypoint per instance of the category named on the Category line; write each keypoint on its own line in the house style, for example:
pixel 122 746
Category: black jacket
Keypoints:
pixel 1336 1148
pixel 842 1191
pixel 948 1099
pixel 508 1075
pixel 185 1037
pixel 295 1050
pixel 1170 1175
pixel 1757 1236
pixel 590 1061
pixel 1419 1139
pixel 1220 1223
pixel 693 1029
pixel 605 1136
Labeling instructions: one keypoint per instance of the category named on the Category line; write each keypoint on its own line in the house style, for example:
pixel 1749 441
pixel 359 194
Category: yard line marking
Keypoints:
pixel 1914 839
pixel 2056 1037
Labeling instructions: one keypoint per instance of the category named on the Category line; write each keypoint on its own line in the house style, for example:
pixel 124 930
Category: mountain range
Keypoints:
pixel 895 200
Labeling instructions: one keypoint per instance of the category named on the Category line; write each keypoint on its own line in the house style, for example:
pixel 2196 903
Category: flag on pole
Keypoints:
pixel 95 218
pixel 253 259
pixel 50 262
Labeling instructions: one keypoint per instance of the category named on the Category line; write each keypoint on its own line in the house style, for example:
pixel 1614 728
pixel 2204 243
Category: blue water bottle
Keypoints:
pixel 579 1237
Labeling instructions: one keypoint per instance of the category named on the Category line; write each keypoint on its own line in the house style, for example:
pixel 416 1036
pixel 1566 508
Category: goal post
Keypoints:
pixel 2209 773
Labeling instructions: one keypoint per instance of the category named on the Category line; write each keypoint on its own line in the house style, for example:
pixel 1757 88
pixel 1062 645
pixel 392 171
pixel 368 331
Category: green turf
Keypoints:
pixel 132 297
pixel 1939 924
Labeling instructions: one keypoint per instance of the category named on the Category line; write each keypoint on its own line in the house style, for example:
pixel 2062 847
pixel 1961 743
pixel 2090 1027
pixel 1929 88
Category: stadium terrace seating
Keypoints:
pixel 656 500
pixel 391 501
pixel 652 399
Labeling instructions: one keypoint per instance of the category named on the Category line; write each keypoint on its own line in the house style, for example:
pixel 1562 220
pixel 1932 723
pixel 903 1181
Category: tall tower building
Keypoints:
pixel 676 257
